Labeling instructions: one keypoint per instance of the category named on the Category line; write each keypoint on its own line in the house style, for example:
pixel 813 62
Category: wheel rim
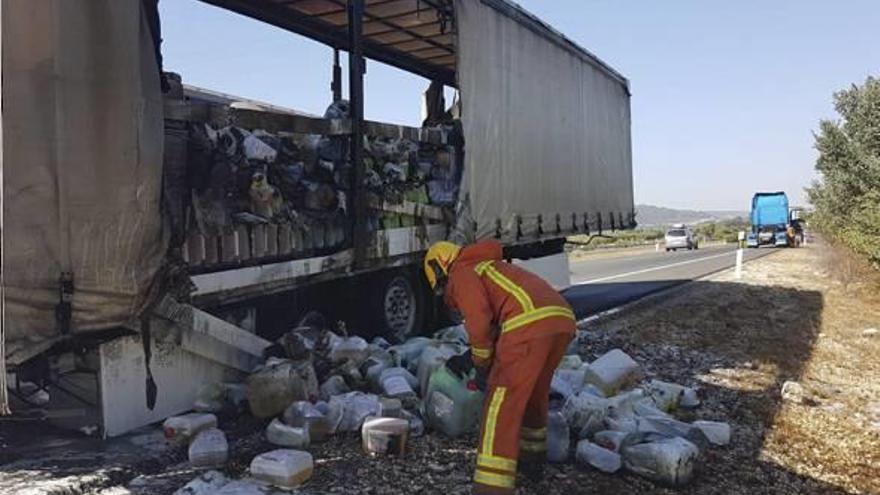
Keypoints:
pixel 400 307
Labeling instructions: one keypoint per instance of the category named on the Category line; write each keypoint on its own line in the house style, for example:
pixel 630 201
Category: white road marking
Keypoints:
pixel 652 269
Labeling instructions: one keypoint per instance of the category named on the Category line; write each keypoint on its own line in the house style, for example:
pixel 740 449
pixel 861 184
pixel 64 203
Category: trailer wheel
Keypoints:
pixel 398 305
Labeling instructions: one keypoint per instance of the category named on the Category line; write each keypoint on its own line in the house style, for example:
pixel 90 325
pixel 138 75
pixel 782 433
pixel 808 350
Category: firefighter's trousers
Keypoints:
pixel 515 411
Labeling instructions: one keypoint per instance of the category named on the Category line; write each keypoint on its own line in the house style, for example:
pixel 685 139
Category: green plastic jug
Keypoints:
pixel 452 406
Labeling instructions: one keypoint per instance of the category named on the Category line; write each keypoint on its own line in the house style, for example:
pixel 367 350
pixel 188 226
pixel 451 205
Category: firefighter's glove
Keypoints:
pixel 460 365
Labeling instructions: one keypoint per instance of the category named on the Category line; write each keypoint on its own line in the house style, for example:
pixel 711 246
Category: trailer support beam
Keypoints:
pixel 356 101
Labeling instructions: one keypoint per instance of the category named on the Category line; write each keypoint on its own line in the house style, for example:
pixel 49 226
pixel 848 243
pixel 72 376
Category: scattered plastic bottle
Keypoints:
pixel 208 449
pixel 385 436
pixel 558 437
pixel 456 334
pixel 407 354
pixel 434 356
pixel 353 348
pixel 567 382
pixel 611 371
pixel 570 362
pixel 302 414
pixel 284 468
pixel 586 413
pixel 372 369
pixel 399 383
pixel 452 405
pixel 186 426
pixel 716 432
pixel 609 439
pixel 278 433
pixel 334 385
pixel 348 411
pixel 602 459
pixel 669 461
pixel 390 407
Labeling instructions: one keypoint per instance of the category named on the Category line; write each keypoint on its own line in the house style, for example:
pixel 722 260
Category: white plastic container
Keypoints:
pixel 570 362
pixel 372 368
pixel 385 436
pixel 646 407
pixel 246 486
pixel 353 348
pixel 335 385
pixel 390 408
pixel 207 483
pixel 348 411
pixel 284 468
pixel 669 461
pixel 602 459
pixel 302 414
pixel 611 371
pixel 586 413
pixel 670 427
pixel 433 357
pixel 668 396
pixel 398 383
pixel 623 404
pixel 278 433
pixel 558 437
pixel 211 398
pixel 718 433
pixel 208 449
pixel 610 439
pixel 407 354
pixel 185 427
pixel 626 425
pixel 455 334
pixel 567 382
pixel 689 398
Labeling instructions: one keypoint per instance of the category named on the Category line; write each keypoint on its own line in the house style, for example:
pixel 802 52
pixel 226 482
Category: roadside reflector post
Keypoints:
pixel 739 263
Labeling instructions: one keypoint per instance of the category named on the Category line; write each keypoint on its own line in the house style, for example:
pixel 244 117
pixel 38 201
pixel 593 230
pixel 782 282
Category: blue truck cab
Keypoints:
pixel 769 219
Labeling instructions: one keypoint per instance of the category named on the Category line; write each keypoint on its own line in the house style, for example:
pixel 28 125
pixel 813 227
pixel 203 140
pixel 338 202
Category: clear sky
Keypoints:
pixel 726 95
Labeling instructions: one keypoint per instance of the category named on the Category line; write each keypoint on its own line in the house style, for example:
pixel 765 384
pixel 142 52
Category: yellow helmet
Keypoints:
pixel 438 259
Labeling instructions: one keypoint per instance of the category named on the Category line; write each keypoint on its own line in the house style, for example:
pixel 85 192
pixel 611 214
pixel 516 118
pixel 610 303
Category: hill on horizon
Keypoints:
pixel 655 216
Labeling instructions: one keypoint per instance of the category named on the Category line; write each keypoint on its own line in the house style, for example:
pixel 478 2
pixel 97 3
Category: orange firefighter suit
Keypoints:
pixel 520 327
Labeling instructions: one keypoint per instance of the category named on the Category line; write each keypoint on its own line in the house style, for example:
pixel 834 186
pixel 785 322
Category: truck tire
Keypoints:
pixel 398 305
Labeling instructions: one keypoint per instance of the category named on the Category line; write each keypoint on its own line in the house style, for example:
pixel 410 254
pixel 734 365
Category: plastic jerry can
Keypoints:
pixel 208 449
pixel 186 426
pixel 284 468
pixel 278 433
pixel 385 436
pixel 452 405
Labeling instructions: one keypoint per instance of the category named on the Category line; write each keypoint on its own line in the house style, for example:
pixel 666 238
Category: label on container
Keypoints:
pixel 441 405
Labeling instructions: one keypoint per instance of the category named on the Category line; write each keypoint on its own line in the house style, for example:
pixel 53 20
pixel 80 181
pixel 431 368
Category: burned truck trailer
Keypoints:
pixel 149 227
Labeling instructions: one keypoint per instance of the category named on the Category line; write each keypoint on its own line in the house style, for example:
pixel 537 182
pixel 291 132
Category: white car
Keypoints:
pixel 680 237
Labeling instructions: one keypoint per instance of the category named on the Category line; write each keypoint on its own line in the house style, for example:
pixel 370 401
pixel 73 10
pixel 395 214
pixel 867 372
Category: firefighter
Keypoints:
pixel 519 328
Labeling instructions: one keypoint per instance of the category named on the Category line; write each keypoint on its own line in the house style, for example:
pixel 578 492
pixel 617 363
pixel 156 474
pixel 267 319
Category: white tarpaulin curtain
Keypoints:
pixel 547 131
pixel 82 165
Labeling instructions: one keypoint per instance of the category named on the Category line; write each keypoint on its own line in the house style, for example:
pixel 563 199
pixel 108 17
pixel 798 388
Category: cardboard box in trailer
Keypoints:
pixel 156 236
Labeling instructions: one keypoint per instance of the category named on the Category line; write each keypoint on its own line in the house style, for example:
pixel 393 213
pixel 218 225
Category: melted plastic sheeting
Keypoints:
pixel 82 165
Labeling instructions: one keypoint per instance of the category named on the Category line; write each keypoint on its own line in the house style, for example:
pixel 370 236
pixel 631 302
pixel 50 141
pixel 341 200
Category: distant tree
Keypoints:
pixel 846 197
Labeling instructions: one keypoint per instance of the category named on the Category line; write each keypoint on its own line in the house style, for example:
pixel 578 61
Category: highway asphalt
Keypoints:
pixel 605 281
